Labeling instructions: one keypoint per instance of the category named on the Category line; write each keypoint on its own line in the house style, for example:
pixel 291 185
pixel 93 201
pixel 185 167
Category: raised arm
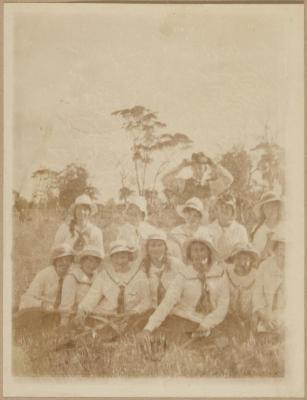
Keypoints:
pixel 221 179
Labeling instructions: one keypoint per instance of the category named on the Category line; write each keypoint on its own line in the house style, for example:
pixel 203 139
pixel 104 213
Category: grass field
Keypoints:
pixel 39 356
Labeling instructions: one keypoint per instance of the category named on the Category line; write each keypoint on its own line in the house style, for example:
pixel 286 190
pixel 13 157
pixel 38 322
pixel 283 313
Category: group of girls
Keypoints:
pixel 198 279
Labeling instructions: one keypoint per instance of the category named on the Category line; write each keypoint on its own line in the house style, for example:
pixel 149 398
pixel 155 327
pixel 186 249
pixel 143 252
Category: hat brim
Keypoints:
pixel 252 253
pixel 180 210
pixel 258 206
pixel 93 208
pixel 62 256
pixel 188 243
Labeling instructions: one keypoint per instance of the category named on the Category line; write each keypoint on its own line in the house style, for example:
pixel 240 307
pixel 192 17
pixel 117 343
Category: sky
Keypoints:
pixel 218 73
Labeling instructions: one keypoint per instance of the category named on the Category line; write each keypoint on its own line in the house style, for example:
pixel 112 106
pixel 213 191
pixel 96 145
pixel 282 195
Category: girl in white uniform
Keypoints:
pixel 79 231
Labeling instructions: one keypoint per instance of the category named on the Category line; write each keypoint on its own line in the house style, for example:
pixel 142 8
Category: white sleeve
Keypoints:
pixel 171 298
pixel 144 295
pixel 34 294
pixel 93 296
pixel 61 235
pixel 223 181
pixel 219 313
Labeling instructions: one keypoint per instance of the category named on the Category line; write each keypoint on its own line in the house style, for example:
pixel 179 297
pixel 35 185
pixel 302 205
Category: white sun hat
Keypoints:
pixel 61 250
pixel 120 246
pixel 138 201
pixel 90 250
pixel 84 199
pixel 194 203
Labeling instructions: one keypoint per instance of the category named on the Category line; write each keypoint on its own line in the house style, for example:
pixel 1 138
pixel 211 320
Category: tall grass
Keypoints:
pixel 39 355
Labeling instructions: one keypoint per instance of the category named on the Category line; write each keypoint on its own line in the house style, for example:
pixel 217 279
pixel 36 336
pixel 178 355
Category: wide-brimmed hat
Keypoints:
pixel 120 246
pixel 227 198
pixel 242 248
pixel 62 250
pixel 199 158
pixel 84 199
pixel 138 201
pixel 194 203
pixel 202 237
pixel 267 197
pixel 90 250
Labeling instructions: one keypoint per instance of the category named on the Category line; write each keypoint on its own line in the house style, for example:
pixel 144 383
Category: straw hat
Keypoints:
pixel 140 202
pixel 194 203
pixel 62 250
pixel 84 199
pixel 240 248
pixel 120 246
pixel 90 250
pixel 267 197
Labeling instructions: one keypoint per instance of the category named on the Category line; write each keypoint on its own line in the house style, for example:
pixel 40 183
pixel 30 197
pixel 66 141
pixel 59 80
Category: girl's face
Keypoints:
pixel 225 213
pixel 89 264
pixel 198 170
pixel 62 265
pixel 156 249
pixel 243 263
pixel 82 213
pixel 199 253
pixel 121 260
pixel 133 214
pixel 191 216
pixel 271 210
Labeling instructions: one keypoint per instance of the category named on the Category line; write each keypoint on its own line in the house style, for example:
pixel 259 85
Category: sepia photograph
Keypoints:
pixel 153 200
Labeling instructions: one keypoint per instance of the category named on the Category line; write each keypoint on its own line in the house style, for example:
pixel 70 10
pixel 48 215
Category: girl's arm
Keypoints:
pixel 93 296
pixel 68 296
pixel 61 235
pixel 219 313
pixel 34 295
pixel 171 298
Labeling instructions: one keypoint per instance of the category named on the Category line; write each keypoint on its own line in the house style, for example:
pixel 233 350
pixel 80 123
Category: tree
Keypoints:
pixel 145 130
pixel 45 193
pixel 238 162
pixel 72 182
pixel 271 163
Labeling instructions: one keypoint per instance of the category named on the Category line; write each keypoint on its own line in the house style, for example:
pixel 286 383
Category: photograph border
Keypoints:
pixel 2 88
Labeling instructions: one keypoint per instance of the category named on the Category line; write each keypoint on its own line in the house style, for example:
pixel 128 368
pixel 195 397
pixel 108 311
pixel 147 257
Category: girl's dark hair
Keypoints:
pixel 188 253
pixel 145 263
pixel 73 221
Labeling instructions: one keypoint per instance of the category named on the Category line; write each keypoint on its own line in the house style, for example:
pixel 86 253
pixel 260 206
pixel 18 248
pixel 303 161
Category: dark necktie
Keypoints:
pixel 203 305
pixel 58 298
pixel 160 290
pixel 121 300
pixel 80 242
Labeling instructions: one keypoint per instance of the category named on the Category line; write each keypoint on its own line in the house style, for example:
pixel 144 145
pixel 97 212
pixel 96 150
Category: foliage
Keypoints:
pixel 144 127
pixel 271 163
pixel 72 182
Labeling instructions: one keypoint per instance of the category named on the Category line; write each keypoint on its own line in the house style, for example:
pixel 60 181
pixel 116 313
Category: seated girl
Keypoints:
pixel 241 273
pixel 78 281
pixel 45 291
pixel 121 290
pixel 192 212
pixel 269 294
pixel 197 299
pixel 78 231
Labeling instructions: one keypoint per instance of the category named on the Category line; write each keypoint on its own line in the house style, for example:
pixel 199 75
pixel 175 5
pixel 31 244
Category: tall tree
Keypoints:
pixel 145 129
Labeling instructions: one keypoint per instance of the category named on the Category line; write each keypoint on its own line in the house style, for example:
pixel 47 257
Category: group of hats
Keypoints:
pixel 65 250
